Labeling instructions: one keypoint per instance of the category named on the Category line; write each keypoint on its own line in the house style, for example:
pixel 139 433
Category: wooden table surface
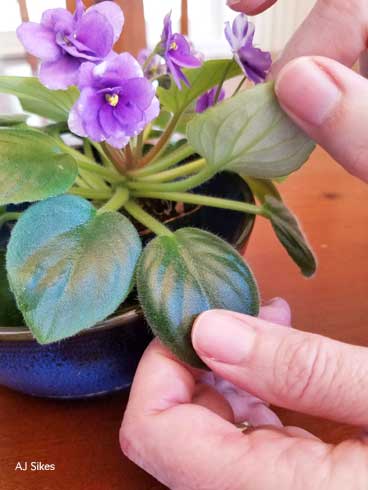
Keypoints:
pixel 81 438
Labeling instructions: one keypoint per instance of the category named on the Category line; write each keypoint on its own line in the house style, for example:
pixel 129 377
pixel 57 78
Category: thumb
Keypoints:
pixel 330 102
pixel 288 368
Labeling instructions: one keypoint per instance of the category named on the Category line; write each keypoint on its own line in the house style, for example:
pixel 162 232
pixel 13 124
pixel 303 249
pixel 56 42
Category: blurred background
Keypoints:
pixel 203 20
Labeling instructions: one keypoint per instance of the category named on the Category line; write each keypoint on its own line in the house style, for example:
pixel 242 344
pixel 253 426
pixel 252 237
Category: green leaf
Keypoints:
pixel 32 166
pixel 201 80
pixel 261 188
pixel 69 267
pixel 10 316
pixel 250 134
pixel 290 235
pixel 37 99
pixel 9 120
pixel 180 276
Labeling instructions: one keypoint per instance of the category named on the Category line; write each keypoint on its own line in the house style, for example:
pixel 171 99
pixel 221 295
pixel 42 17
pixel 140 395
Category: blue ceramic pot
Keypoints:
pixel 103 359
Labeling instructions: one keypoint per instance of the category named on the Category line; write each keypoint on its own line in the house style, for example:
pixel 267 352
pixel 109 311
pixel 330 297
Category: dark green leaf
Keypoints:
pixel 68 267
pixel 10 316
pixel 180 276
pixel 32 166
pixel 9 120
pixel 201 80
pixel 37 99
pixel 250 134
pixel 290 235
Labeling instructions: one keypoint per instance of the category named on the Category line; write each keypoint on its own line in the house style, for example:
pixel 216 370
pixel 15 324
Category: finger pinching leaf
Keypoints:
pixel 69 267
pixel 180 276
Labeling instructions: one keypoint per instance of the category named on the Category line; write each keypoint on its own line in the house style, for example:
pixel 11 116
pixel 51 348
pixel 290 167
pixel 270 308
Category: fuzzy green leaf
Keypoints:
pixel 32 166
pixel 250 134
pixel 290 235
pixel 37 99
pixel 201 80
pixel 69 267
pixel 180 276
pixel 10 316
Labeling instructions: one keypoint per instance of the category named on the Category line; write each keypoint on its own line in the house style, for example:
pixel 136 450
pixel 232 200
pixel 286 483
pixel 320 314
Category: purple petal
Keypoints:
pixel 89 105
pixel 118 141
pixel 177 74
pixel 60 74
pixel 75 122
pixel 130 117
pixel 58 20
pixel 120 67
pixel 96 33
pixel 167 31
pixel 79 11
pixel 255 63
pixel 139 91
pixel 182 55
pixel 86 77
pixel 113 14
pixel 153 110
pixel 108 122
pixel 202 103
pixel 39 41
pixel 76 49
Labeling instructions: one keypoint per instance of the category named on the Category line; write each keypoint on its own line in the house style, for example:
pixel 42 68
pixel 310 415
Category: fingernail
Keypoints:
pixel 223 338
pixel 233 3
pixel 308 91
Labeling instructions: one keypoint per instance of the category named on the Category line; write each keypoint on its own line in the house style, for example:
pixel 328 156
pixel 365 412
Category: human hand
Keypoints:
pixel 327 99
pixel 181 431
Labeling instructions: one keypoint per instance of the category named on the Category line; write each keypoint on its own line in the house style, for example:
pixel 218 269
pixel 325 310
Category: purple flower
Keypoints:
pixel 254 62
pixel 64 41
pixel 155 67
pixel 208 99
pixel 177 53
pixel 116 101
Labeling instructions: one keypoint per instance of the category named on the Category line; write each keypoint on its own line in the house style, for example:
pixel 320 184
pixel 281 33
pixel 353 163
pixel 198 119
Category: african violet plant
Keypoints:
pixel 153 130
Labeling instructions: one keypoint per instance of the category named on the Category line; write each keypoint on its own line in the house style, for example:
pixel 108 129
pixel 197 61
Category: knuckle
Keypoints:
pixel 299 367
pixel 358 161
pixel 128 437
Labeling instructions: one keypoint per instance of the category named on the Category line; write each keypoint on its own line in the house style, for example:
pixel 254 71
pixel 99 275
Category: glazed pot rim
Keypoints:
pixel 23 334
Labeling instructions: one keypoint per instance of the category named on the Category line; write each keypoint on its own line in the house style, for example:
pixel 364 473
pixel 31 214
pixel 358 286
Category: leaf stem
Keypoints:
pixel 165 162
pixel 137 212
pixel 11 216
pixel 181 186
pixel 215 202
pixel 120 197
pixel 180 171
pixel 98 195
pixel 241 83
pixel 162 142
pixel 221 84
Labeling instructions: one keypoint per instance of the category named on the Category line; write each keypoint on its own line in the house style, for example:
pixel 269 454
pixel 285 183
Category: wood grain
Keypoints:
pixel 81 438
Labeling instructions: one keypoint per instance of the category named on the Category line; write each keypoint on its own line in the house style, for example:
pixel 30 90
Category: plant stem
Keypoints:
pixel 11 216
pixel 137 212
pixel 168 161
pixel 161 144
pixel 116 156
pixel 180 171
pixel 139 148
pixel 104 158
pixel 90 165
pixel 221 84
pixel 242 81
pixel 181 186
pixel 120 197
pixel 150 57
pixel 129 156
pixel 215 202
pixel 91 193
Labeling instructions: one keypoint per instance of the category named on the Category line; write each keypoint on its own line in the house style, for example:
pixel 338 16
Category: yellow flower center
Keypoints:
pixel 112 100
pixel 173 46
